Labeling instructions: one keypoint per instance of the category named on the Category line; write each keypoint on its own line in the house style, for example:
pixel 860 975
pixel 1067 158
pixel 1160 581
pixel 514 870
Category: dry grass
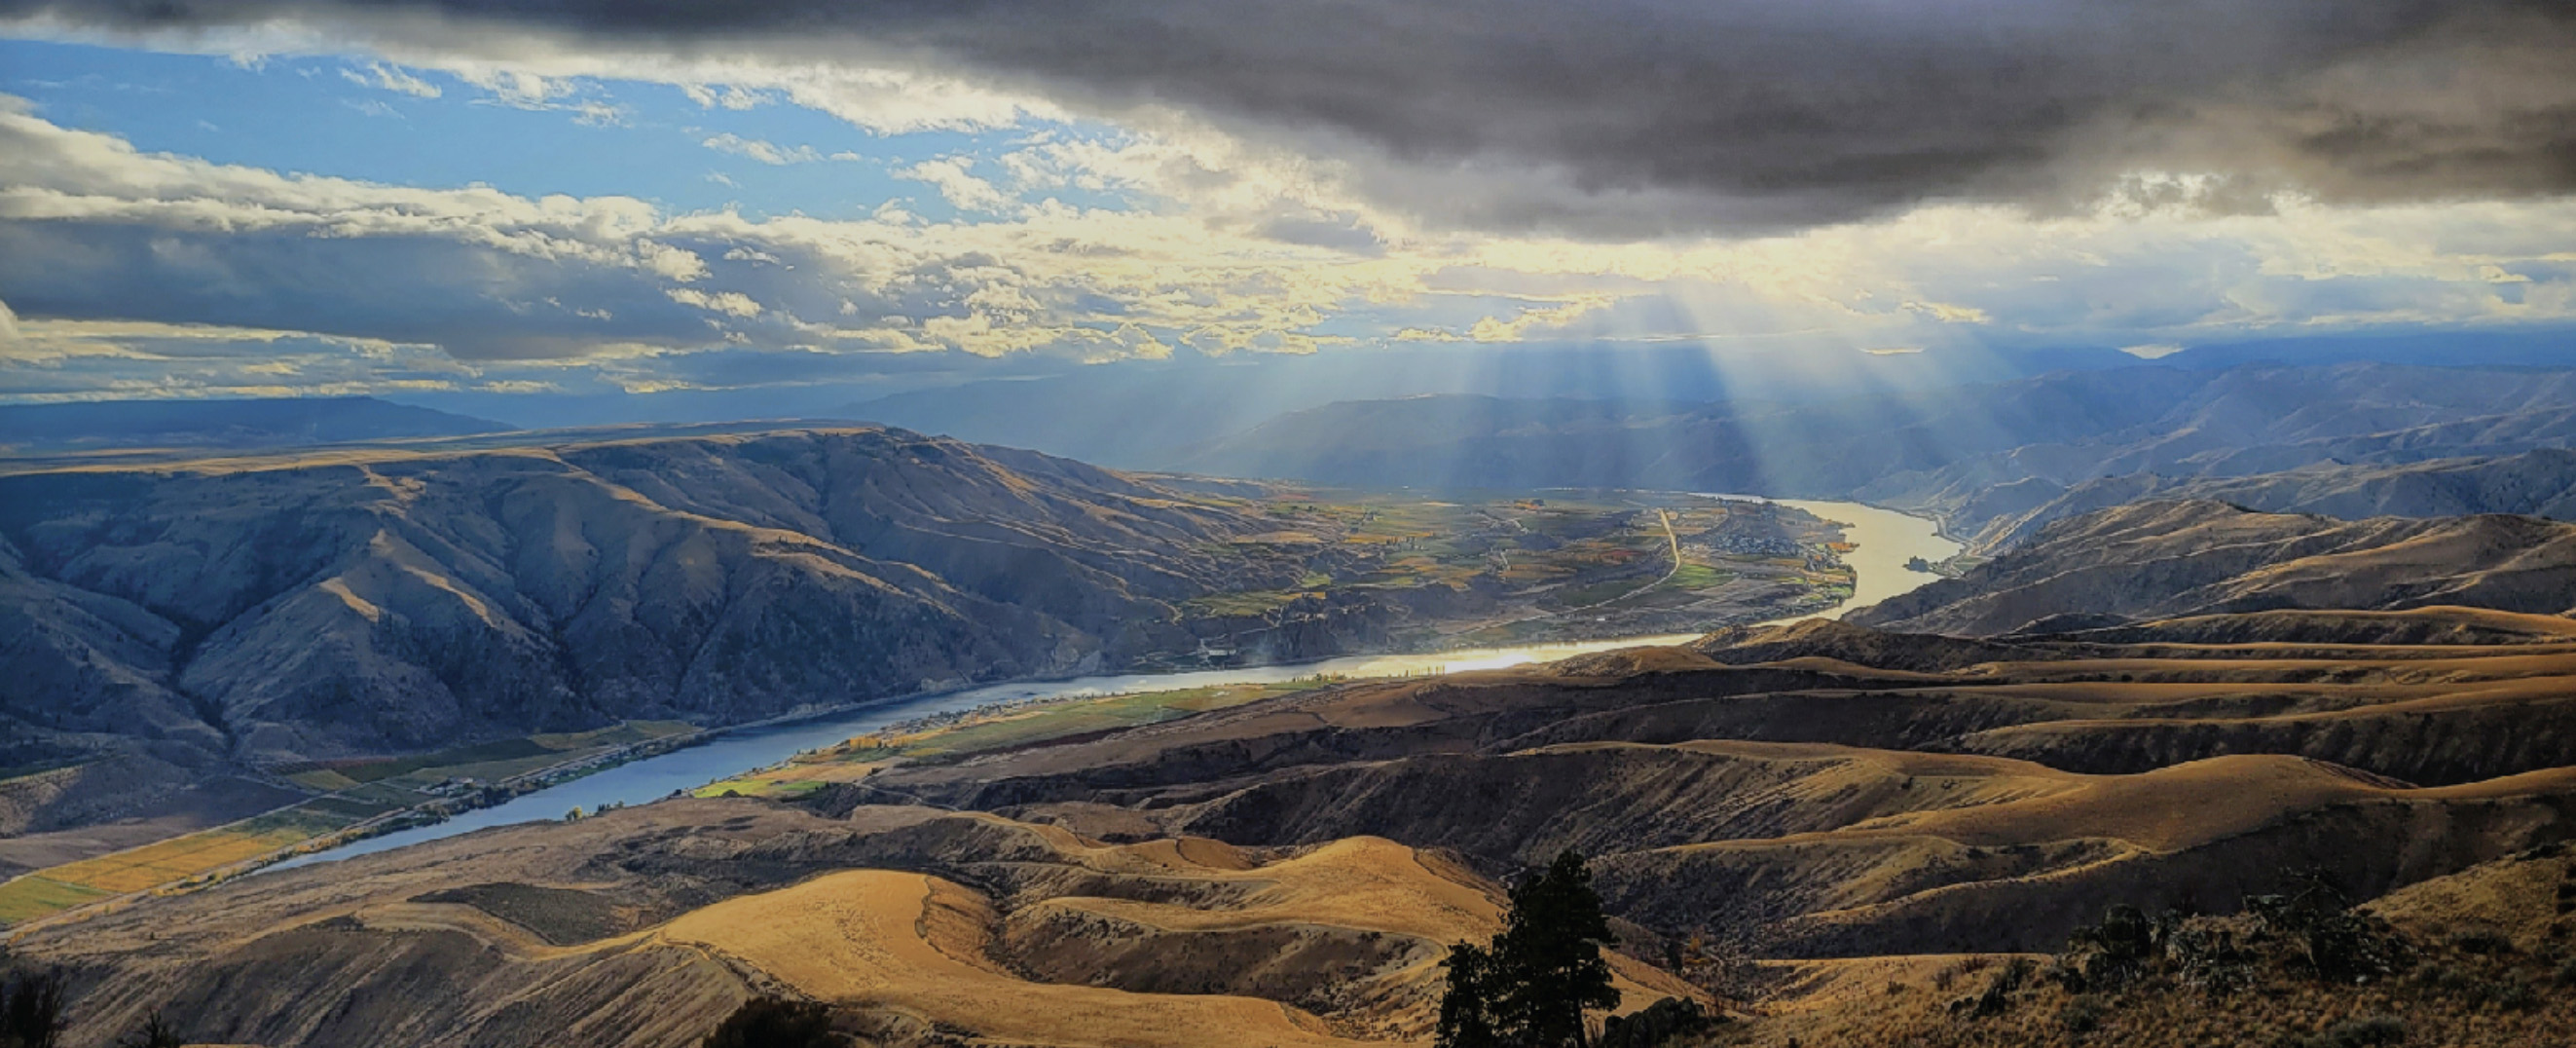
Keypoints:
pixel 2488 950
pixel 179 858
pixel 910 944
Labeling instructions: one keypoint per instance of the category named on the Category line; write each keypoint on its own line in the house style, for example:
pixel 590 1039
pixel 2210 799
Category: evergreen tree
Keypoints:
pixel 1532 985
pixel 1466 1015
pixel 1551 950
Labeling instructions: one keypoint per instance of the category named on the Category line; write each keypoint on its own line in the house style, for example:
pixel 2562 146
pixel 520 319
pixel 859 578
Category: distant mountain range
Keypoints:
pixel 284 608
pixel 1981 456
pixel 286 422
pixel 1157 414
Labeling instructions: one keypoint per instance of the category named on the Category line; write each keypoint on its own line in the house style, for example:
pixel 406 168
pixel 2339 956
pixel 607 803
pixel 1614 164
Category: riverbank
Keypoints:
pixel 1880 539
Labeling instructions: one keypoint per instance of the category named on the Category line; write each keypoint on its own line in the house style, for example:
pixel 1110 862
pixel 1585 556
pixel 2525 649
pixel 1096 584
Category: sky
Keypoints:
pixel 805 201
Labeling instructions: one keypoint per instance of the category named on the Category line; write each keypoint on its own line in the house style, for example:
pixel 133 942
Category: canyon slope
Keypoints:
pixel 1871 831
pixel 2540 483
pixel 1781 819
pixel 357 601
pixel 2168 559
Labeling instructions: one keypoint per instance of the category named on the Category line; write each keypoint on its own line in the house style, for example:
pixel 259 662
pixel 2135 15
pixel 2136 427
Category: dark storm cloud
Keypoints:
pixel 1629 117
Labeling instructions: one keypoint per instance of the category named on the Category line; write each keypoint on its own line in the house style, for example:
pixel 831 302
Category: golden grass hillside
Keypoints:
pixel 1794 819
pixel 1830 790
pixel 643 926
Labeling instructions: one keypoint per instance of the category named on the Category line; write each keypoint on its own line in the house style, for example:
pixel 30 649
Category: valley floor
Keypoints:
pixel 1836 835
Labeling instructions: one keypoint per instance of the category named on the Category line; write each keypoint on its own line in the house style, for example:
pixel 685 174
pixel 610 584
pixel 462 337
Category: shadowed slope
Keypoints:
pixel 2169 559
pixel 359 601
pixel 1793 795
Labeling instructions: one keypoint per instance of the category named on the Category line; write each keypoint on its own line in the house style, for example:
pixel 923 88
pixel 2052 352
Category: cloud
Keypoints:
pixel 730 303
pixel 1642 118
pixel 1211 246
pixel 955 184
pixel 726 96
pixel 391 78
pixel 93 231
pixel 765 152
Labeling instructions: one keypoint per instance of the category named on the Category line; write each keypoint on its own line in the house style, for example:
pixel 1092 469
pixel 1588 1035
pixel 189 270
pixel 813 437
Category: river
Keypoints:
pixel 1885 539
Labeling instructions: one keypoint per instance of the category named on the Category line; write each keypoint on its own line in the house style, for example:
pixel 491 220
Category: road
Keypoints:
pixel 1670 537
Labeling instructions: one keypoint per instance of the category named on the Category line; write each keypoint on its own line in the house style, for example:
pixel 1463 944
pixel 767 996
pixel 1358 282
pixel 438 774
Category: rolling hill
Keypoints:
pixel 2540 483
pixel 1849 808
pixel 643 926
pixel 2155 560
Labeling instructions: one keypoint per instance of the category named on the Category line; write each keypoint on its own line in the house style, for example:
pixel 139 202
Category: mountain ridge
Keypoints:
pixel 245 423
pixel 2170 559
pixel 405 597
pixel 1972 456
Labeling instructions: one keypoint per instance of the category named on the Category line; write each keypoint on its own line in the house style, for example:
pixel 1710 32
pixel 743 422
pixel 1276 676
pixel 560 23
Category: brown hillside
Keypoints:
pixel 1834 808
pixel 368 600
pixel 642 927
pixel 2153 560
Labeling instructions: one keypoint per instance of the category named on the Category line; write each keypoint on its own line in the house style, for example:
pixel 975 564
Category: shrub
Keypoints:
pixel 156 1033
pixel 2567 972
pixel 2341 945
pixel 2481 941
pixel 1659 1023
pixel 1996 998
pixel 2364 1032
pixel 2111 954
pixel 768 1022
pixel 2206 955
pixel 2517 993
pixel 2451 981
pixel 31 1010
pixel 2082 1015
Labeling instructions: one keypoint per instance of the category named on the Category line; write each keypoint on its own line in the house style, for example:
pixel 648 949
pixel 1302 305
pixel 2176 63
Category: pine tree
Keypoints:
pixel 1532 985
pixel 1466 1015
